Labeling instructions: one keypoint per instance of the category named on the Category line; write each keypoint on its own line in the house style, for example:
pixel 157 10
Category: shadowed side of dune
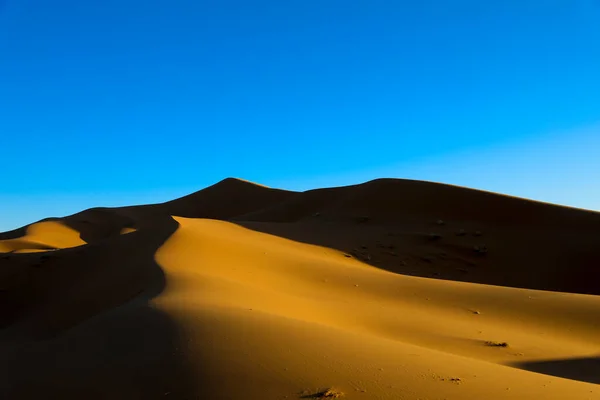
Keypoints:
pixel 445 232
pixel 224 200
pixel 80 281
pixel 77 323
pixel 580 369
pixel 399 200
pixel 130 352
pixel 15 233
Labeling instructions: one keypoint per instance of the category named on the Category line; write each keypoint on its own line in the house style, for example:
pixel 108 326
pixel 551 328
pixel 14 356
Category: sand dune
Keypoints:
pixel 392 289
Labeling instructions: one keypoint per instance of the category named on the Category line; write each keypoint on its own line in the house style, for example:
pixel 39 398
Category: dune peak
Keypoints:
pixel 242 181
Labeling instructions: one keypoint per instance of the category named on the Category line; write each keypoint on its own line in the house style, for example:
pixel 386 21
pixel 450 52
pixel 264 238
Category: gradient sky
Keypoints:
pixel 117 102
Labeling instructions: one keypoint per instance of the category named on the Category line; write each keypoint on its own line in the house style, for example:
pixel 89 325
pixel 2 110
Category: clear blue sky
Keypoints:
pixel 116 102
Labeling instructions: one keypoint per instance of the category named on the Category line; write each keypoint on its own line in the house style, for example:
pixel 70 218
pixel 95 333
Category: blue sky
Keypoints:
pixel 112 102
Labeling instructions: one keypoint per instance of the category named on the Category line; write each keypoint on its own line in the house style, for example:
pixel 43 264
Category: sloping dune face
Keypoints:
pixel 447 232
pixel 43 236
pixel 309 317
pixel 285 295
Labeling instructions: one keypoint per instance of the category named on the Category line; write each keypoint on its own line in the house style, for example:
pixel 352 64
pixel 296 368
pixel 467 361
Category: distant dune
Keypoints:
pixel 391 289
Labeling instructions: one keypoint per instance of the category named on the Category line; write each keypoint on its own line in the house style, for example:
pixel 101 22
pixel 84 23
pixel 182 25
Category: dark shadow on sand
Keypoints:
pixel 409 249
pixel 580 369
pixel 77 323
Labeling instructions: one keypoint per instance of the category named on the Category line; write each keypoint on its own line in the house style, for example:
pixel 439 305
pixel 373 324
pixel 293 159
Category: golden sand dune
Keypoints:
pixel 43 236
pixel 388 290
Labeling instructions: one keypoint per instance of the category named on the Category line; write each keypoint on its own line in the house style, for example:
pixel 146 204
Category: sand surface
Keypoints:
pixel 392 289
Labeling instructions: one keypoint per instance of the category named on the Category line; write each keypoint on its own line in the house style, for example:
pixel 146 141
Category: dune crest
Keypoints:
pixel 43 236
pixel 392 289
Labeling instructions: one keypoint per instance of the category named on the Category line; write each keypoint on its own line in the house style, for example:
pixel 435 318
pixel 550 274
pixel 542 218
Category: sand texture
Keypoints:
pixel 391 290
